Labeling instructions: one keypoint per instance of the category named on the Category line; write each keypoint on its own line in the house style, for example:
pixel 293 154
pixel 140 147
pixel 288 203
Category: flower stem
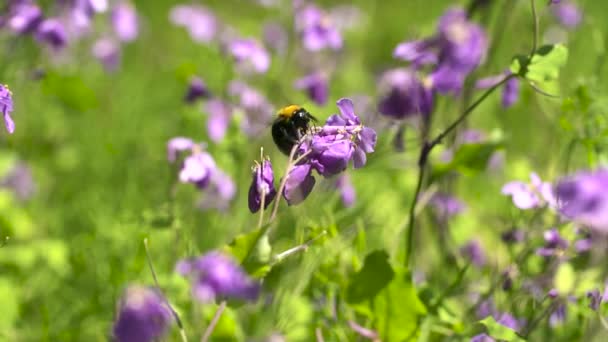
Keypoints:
pixel 425 151
pixel 173 312
pixel 535 28
pixel 214 321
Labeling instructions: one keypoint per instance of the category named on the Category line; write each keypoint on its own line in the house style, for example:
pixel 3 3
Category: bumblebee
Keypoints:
pixel 290 126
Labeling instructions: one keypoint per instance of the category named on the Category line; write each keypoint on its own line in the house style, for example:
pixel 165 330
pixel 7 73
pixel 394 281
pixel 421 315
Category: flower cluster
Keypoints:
pixel 6 107
pixel 328 150
pixel 216 275
pixel 199 168
pixel 582 198
pixel 143 316
pixel 528 196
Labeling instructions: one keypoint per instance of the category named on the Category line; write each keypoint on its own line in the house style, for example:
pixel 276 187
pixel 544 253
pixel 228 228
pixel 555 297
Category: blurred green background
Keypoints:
pixel 96 144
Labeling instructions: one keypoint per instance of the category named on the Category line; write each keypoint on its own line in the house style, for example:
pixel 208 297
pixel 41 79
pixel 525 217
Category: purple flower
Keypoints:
pixel 507 320
pixel 6 107
pixel 510 91
pixel 196 89
pixel 197 169
pixel 24 18
pixel 417 52
pixel 595 299
pixel 568 14
pixel 482 338
pixel 317 30
pixel 554 244
pixel 275 37
pixel 201 23
pixel 583 245
pixel 446 205
pixel 176 145
pixel 52 32
pixel 262 186
pixel 143 316
pixel 19 179
pixel 404 95
pixel 219 193
pixel 299 184
pixel 463 43
pixel 558 316
pixel 250 55
pixel 107 51
pixel 125 22
pixel 474 252
pixel 582 198
pixel 216 275
pixel 316 86
pixel 513 236
pixel 255 107
pixel 219 115
pixel 347 190
pixel 532 195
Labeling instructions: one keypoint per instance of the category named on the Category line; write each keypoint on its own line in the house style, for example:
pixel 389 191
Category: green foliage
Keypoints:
pixel 375 275
pixel 499 331
pixel 543 67
pixel 70 90
pixel 469 159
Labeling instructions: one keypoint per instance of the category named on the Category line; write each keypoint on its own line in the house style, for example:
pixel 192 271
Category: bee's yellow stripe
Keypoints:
pixel 287 112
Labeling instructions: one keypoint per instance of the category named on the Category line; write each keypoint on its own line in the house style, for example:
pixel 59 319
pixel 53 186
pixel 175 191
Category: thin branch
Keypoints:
pixel 535 28
pixel 214 321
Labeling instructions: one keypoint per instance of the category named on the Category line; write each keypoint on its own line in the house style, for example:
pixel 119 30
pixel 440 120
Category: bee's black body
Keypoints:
pixel 290 126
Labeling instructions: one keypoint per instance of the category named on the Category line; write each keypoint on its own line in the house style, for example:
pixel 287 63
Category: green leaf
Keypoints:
pixel 252 251
pixel 9 294
pixel 70 90
pixel 542 69
pixel 468 159
pixel 499 331
pixel 375 275
pixel 565 278
pixel 399 310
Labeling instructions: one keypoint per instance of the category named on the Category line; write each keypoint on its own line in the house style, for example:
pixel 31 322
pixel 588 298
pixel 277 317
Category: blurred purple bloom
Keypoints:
pixel 485 309
pixel 275 37
pixel 554 244
pixel 417 52
pixel 583 198
pixel 24 17
pixel 107 51
pixel 553 293
pixel 583 245
pixel 6 107
pixel 316 86
pixel 53 33
pixel 125 22
pixel 404 95
pixel 595 299
pixel 262 185
pixel 558 316
pixel 568 14
pixel 446 205
pixel 317 30
pixel 219 193
pixel 219 115
pixel 510 91
pixel 250 54
pixel 345 17
pixel 513 236
pixel 532 195
pixel 299 184
pixel 197 169
pixel 347 190
pixel 196 89
pixel 19 179
pixel 216 275
pixel 473 251
pixel 200 22
pixel 143 316
pixel 507 320
pixel 258 111
pixel 176 145
pixel 482 338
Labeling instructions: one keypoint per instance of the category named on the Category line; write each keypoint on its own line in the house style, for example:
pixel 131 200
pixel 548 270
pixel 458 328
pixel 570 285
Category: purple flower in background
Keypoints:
pixel 317 30
pixel 558 316
pixel 125 22
pixel 554 244
pixel 219 115
pixel 446 205
pixel 275 37
pixel 568 14
pixel 107 51
pixel 417 52
pixel 196 89
pixel 216 275
pixel 19 179
pixel 219 193
pixel 299 184
pixel 24 17
pixel 583 245
pixel 250 55
pixel 347 190
pixel 200 22
pixel 510 91
pixel 527 196
pixel 507 320
pixel 176 145
pixel 403 95
pixel 197 169
pixel 595 299
pixel 53 33
pixel 473 251
pixel 143 316
pixel 255 107
pixel 583 198
pixel 513 236
pixel 482 338
pixel 262 186
pixel 316 86
pixel 6 107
